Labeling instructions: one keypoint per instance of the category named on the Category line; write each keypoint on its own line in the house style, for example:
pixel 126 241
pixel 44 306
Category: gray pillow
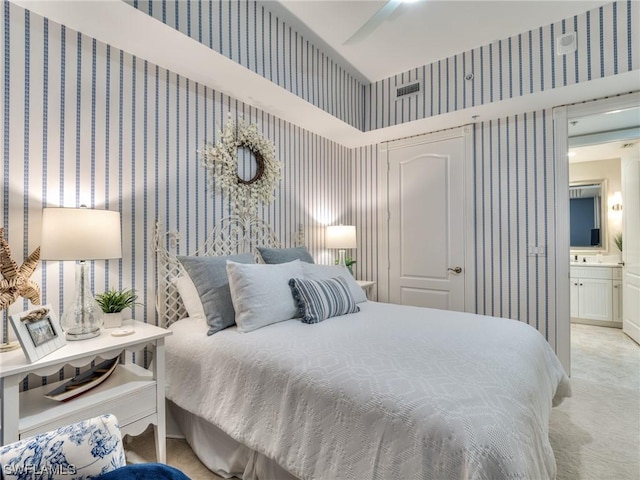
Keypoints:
pixel 285 255
pixel 325 272
pixel 209 275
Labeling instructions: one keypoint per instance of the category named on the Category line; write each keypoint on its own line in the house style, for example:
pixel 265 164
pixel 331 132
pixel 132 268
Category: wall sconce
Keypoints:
pixel 616 202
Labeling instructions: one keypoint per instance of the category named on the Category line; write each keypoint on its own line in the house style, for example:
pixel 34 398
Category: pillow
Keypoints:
pixel 209 275
pixel 190 297
pixel 261 294
pixel 284 255
pixel 325 272
pixel 321 299
pixel 84 449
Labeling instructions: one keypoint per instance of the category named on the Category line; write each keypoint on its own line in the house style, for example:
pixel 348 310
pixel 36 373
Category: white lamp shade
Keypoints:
pixel 80 234
pixel 341 236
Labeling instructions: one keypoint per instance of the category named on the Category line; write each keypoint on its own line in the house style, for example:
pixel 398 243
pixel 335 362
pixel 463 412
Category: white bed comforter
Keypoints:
pixel 392 392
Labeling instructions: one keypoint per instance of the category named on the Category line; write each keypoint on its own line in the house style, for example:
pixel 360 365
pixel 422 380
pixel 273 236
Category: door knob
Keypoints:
pixel 455 270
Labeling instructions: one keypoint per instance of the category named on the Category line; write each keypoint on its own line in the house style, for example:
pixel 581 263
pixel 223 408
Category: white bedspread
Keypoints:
pixel 391 392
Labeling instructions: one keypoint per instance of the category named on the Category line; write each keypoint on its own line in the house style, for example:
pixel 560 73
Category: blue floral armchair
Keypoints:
pixel 83 450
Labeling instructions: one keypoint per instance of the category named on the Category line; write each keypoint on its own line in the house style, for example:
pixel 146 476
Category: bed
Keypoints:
pixel 390 391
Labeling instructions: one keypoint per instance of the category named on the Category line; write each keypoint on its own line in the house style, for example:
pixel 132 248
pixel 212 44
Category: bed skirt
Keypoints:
pixel 223 455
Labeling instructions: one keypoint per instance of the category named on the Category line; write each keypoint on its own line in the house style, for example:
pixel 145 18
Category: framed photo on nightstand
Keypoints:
pixel 38 331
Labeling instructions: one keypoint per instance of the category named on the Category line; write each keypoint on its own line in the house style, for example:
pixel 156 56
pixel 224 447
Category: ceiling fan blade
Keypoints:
pixel 370 25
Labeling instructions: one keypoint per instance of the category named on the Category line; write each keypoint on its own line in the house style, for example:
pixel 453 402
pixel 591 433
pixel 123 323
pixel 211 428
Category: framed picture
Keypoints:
pixel 38 331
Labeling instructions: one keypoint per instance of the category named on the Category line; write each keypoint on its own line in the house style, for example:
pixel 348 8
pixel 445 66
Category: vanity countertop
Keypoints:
pixel 594 264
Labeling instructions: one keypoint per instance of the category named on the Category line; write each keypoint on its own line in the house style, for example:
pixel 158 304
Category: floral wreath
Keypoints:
pixel 221 160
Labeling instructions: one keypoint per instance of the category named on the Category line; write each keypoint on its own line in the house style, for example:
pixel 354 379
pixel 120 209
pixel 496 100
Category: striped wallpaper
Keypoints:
pixel 608 44
pixel 87 123
pixel 251 35
pixel 523 64
pixel 513 201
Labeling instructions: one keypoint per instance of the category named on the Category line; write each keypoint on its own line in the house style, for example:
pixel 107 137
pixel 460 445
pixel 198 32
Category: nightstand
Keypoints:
pixel 133 394
pixel 367 286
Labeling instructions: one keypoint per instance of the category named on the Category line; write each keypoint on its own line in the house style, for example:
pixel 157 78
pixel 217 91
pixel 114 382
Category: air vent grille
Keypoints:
pixel 403 91
pixel 627 145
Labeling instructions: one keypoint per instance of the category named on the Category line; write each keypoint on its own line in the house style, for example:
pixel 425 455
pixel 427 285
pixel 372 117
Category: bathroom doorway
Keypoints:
pixel 602 137
pixel 601 147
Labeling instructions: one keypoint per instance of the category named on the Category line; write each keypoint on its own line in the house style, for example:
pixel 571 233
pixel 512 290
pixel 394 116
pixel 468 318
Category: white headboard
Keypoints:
pixel 233 235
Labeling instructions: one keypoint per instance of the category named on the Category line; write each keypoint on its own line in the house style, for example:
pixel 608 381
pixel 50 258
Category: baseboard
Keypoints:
pixel 597 323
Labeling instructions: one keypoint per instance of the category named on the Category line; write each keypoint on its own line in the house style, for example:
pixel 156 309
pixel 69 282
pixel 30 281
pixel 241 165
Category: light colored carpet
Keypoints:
pixel 595 434
pixel 142 449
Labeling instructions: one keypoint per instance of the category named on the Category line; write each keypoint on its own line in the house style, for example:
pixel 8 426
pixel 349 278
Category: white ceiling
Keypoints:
pixel 605 136
pixel 605 122
pixel 605 151
pixel 421 32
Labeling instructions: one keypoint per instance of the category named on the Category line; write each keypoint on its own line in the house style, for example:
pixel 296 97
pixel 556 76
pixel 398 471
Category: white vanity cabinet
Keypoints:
pixel 596 293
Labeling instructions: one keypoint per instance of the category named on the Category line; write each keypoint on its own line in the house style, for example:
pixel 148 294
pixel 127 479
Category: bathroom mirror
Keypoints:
pixel 587 215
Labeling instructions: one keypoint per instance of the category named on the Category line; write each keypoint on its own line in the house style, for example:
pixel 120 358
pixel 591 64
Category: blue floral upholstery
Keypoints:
pixel 83 450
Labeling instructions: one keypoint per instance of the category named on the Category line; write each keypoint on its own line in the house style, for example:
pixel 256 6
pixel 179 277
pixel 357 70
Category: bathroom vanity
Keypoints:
pixel 596 293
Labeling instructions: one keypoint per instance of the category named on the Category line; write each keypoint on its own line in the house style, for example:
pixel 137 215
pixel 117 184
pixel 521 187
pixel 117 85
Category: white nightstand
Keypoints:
pixel 367 286
pixel 133 394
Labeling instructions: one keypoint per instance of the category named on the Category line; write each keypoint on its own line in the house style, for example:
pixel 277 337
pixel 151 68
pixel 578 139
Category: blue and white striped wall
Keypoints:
pixel 514 203
pixel 251 35
pixel 87 123
pixel 523 64
pixel 513 197
pixel 607 41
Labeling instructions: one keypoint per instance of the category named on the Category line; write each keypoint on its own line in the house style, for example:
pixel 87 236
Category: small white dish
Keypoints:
pixel 122 332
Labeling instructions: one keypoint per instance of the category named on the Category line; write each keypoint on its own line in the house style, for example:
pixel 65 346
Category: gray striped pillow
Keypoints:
pixel 321 299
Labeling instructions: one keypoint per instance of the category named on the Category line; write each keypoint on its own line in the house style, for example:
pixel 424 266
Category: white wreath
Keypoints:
pixel 221 160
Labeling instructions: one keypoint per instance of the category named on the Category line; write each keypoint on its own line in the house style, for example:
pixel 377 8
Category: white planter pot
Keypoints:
pixel 112 320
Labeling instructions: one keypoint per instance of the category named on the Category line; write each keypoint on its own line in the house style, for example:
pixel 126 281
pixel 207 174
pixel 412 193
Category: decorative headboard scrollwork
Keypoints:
pixel 234 234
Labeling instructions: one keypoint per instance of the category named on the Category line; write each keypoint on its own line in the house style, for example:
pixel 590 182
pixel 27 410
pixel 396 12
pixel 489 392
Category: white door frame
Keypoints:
pixel 561 117
pixel 466 132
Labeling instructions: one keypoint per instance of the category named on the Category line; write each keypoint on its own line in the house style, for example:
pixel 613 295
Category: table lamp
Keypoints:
pixel 341 237
pixel 80 234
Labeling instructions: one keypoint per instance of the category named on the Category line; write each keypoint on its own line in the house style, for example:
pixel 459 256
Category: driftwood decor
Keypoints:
pixel 15 282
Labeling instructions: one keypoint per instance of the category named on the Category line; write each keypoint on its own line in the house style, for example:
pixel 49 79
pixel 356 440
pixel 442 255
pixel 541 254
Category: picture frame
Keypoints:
pixel 38 331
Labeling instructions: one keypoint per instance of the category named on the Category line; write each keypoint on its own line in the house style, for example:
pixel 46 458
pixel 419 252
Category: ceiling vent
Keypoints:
pixel 407 90
pixel 627 145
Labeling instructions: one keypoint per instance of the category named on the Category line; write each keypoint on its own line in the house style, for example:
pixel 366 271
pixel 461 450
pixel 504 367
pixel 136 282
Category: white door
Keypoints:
pixel 631 247
pixel 426 224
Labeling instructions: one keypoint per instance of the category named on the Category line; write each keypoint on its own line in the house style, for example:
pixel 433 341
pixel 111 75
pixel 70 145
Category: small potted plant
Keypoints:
pixel 113 302
pixel 349 263
pixel 617 239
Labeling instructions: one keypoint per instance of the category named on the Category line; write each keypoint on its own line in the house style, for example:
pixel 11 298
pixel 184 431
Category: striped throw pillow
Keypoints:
pixel 321 299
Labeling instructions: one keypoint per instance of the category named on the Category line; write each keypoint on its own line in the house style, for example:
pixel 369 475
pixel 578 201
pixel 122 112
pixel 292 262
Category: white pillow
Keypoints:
pixel 260 293
pixel 313 271
pixel 190 297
